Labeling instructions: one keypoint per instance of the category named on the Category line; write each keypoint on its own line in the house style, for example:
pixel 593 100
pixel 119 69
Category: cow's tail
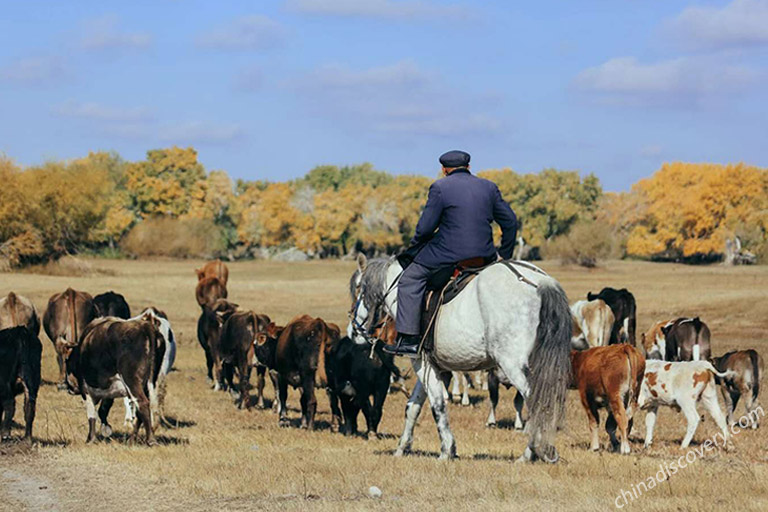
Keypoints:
pixel 155 361
pixel 696 349
pixel 322 376
pixel 549 370
pixel 727 374
pixel 12 308
pixel 636 370
pixel 71 299
pixel 756 373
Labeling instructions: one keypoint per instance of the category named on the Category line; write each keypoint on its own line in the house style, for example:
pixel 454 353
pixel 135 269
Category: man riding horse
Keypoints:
pixel 454 227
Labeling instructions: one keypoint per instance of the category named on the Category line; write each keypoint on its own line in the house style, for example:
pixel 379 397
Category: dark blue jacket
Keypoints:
pixel 461 208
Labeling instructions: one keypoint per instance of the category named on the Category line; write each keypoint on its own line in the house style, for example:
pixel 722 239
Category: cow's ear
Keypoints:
pixel 272 330
pixel 665 329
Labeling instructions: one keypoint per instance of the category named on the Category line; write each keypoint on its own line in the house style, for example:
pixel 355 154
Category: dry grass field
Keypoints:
pixel 221 458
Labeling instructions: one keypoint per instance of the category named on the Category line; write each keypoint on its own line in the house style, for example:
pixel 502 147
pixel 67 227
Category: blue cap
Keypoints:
pixel 455 158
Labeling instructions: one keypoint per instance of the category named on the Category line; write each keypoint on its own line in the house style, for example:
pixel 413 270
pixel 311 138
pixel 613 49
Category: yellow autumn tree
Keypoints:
pixel 691 209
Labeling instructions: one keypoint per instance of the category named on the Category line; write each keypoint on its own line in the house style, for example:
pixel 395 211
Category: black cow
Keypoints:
pixel 112 304
pixel 356 378
pixel 236 351
pixel 118 358
pixel 687 339
pixel 209 328
pixel 20 353
pixel 622 303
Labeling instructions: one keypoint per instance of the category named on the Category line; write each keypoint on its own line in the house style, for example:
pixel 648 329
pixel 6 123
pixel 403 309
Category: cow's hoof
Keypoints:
pixel 5 438
pixel 106 431
pixel 61 386
pixel 371 435
pixel 152 442
pixel 490 424
pixel 284 423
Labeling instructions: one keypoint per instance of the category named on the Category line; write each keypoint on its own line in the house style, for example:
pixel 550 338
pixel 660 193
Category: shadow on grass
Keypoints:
pixel 124 439
pixel 414 453
pixel 506 424
pixel 177 423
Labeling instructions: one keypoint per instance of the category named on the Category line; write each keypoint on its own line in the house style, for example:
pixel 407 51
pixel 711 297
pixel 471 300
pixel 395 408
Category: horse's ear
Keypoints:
pixel 362 262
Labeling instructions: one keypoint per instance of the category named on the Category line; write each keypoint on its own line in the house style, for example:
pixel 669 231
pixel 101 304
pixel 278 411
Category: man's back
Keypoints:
pixel 463 206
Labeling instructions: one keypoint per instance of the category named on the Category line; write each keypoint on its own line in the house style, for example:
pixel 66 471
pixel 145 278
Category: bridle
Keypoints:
pixel 373 322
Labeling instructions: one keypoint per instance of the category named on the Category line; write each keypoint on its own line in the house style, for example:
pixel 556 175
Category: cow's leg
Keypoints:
pixel 709 399
pixel 493 395
pixel 154 408
pixel 260 371
pixel 245 377
pixel 282 408
pixel 9 408
pixel 519 402
pixel 650 422
pixel 130 414
pixel 104 408
pixel 209 364
pixel 273 378
pixel 90 411
pixel 350 416
pixel 308 401
pixel 618 418
pixel 143 408
pixel 751 405
pixel 692 416
pixel 593 418
pixel 62 384
pixel 729 399
pixel 333 399
pixel 30 405
pixel 379 397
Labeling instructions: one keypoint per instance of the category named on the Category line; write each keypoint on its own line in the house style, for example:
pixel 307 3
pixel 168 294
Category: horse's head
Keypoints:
pixel 357 329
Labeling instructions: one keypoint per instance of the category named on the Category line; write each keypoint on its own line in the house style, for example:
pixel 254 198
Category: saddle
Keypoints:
pixel 448 282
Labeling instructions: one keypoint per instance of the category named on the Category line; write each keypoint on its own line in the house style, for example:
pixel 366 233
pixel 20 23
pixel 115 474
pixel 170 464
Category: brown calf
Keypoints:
pixel 65 319
pixel 298 352
pixel 209 289
pixel 748 368
pixel 215 269
pixel 236 352
pixel 609 377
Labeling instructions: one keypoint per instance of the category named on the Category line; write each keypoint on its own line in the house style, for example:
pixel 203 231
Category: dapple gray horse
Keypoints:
pixel 518 323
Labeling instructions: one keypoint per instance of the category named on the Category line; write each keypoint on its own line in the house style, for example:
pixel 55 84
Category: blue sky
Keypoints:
pixel 269 89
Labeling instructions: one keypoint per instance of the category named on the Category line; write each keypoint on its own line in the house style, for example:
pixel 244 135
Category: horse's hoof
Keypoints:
pixel 106 431
pixel 490 424
pixel 399 453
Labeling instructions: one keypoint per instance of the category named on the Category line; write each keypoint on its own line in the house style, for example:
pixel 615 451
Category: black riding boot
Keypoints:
pixel 406 345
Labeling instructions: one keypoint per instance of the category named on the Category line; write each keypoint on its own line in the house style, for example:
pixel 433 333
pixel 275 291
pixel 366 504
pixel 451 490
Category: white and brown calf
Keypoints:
pixel 593 321
pixel 681 385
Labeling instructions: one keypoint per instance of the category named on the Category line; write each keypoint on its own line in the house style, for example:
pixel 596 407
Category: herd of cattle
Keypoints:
pixel 103 353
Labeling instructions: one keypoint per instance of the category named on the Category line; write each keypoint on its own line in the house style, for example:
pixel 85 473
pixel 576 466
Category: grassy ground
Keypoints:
pixel 223 458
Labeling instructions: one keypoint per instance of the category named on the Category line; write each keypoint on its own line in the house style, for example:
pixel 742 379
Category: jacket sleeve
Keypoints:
pixel 505 217
pixel 430 217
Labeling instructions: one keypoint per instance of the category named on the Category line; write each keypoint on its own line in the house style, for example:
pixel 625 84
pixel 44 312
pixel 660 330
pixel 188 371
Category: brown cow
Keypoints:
pixel 118 358
pixel 17 310
pixel 748 368
pixel 215 269
pixel 209 289
pixel 209 328
pixel 298 352
pixel 65 319
pixel 236 352
pixel 609 377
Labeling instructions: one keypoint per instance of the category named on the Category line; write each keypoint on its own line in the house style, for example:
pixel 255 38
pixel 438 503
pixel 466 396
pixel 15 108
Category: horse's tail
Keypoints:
pixel 550 370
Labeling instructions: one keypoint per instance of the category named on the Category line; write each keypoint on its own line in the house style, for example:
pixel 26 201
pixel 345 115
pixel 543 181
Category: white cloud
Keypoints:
pixel 625 79
pixel 387 9
pixel 399 98
pixel 103 34
pixel 247 33
pixel 98 112
pixel 739 23
pixel 40 71
pixel 198 132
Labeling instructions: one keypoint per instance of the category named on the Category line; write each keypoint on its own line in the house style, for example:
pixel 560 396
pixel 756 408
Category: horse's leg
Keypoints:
pixel 493 395
pixel 519 402
pixel 430 378
pixel 465 393
pixel 412 411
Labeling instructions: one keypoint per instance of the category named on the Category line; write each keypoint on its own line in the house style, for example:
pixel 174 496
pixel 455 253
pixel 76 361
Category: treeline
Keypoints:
pixel 168 205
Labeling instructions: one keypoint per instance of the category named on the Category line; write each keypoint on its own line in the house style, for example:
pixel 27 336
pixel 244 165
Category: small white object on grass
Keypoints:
pixel 374 492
